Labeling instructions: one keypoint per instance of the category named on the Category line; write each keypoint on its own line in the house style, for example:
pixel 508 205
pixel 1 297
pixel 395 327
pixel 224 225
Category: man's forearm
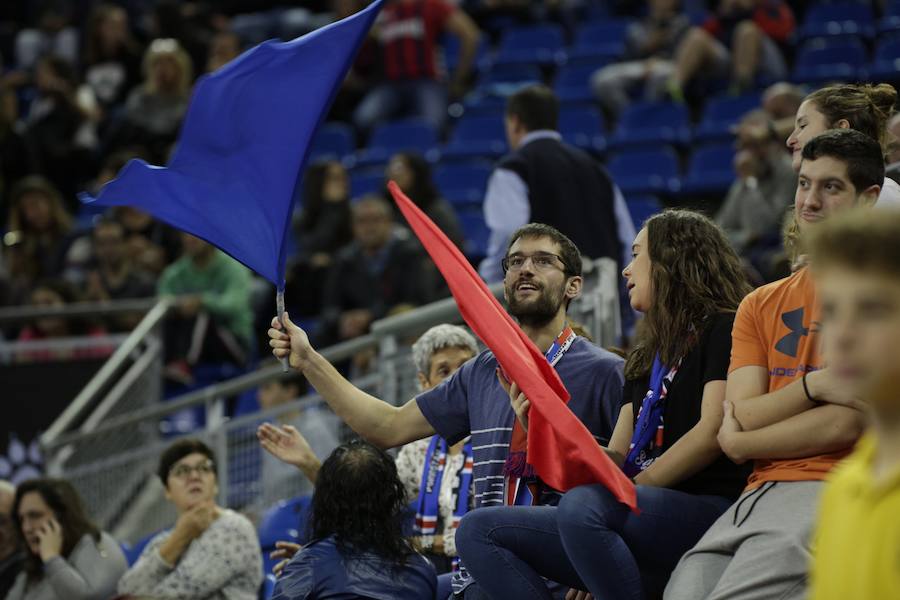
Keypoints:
pixel 761 411
pixel 821 430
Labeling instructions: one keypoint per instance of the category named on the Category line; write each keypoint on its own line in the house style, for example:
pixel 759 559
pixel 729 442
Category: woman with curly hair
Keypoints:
pixel 688 282
pixel 358 548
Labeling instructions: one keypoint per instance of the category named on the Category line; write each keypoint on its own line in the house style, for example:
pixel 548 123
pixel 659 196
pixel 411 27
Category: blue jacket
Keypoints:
pixel 320 572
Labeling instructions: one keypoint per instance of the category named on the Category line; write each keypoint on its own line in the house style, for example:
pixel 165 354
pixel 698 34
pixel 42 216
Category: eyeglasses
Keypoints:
pixel 184 471
pixel 542 261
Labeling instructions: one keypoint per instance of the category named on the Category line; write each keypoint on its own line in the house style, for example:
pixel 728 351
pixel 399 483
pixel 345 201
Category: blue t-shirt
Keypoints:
pixel 320 572
pixel 472 402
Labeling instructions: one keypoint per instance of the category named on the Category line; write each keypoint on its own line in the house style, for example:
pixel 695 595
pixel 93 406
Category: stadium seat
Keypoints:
pixel 646 172
pixel 463 184
pixel 476 233
pixel 415 135
pixel 286 521
pixel 603 39
pixel 886 65
pixel 711 170
pixel 651 123
pixel 517 73
pixel 838 18
pixel 822 60
pixel 642 207
pixel 721 114
pixel 476 136
pixel 890 21
pixel 268 587
pixel 366 181
pixel 573 82
pixel 583 127
pixel 133 551
pixel 542 44
pixel 487 101
pixel 450 46
pixel 332 141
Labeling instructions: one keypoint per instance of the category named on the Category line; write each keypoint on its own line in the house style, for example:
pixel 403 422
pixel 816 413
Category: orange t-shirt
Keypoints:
pixel 777 327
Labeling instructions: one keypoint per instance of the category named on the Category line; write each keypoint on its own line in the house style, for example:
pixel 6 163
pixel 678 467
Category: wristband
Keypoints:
pixel 806 389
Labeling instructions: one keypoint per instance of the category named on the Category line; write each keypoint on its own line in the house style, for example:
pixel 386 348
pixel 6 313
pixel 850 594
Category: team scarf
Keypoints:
pixel 428 503
pixel 521 483
pixel 649 432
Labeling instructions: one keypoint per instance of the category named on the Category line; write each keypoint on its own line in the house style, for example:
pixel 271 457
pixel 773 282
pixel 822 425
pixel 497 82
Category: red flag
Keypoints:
pixel 560 448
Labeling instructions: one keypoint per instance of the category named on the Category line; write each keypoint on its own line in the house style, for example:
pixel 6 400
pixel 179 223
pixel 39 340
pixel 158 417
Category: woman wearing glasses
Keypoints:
pixel 212 552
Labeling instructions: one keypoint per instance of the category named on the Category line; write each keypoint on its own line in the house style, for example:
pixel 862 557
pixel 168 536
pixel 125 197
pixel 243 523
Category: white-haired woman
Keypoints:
pixel 436 474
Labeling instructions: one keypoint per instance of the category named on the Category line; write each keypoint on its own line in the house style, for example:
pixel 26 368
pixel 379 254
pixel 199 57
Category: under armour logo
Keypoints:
pixel 794 321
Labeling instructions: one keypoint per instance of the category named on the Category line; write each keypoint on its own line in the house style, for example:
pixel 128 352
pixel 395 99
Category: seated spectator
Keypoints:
pixel 153 111
pixel 67 556
pixel 437 354
pixel 864 107
pixel 688 283
pixel 60 133
pixel 323 228
pixel 410 171
pixel 11 555
pixel 53 33
pixel 214 319
pixel 781 101
pixel 409 31
pixel 358 549
pixel 741 40
pixel 42 243
pixel 647 64
pixel 856 262
pixel 378 273
pixel 757 201
pixel 112 57
pixel 56 293
pixel 14 164
pixel 112 274
pixel 224 47
pixel 784 408
pixel 211 552
pixel 892 169
pixel 318 431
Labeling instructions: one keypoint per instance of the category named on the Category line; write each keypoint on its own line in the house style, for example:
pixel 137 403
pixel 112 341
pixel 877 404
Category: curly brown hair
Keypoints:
pixel 694 274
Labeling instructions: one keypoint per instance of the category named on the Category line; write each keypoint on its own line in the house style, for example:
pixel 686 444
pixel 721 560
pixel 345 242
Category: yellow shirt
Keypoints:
pixel 857 547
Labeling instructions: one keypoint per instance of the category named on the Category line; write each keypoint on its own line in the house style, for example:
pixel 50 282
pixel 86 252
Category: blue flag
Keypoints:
pixel 244 143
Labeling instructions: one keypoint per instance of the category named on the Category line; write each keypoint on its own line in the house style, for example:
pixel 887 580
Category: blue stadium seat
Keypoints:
pixel 366 181
pixel 450 46
pixel 415 135
pixel 542 44
pixel 573 82
pixel 721 114
pixel 133 551
pixel 603 39
pixel 268 587
pixel 476 233
pixel 642 207
pixel 822 60
pixel 838 18
pixel 463 184
pixel 286 521
pixel 518 73
pixel 476 136
pixel 486 102
pixel 711 170
pixel 332 141
pixel 886 65
pixel 646 172
pixel 582 126
pixel 890 21
pixel 650 123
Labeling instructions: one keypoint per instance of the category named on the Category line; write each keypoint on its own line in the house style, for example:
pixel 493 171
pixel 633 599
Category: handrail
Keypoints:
pixel 442 310
pixel 78 309
pixel 338 352
pixel 112 366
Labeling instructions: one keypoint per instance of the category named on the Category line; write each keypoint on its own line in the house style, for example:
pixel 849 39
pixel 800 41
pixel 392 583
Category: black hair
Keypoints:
pixel 359 499
pixel 68 510
pixel 314 202
pixel 423 191
pixel 535 106
pixel 179 450
pixel 861 154
pixel 568 251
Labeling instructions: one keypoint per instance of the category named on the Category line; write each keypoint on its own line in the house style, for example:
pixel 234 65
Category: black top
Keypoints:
pixel 707 361
pixel 570 191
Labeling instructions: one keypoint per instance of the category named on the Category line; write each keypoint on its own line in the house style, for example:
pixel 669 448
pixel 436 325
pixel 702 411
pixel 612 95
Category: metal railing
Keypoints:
pixel 110 454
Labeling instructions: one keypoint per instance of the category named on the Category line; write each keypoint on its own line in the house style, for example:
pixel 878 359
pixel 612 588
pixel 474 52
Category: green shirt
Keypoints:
pixel 224 285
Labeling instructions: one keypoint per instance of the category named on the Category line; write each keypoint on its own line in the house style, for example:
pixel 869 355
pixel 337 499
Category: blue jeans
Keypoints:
pixel 423 98
pixel 590 542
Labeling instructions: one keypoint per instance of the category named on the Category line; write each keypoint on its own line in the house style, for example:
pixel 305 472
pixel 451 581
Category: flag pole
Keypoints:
pixel 279 308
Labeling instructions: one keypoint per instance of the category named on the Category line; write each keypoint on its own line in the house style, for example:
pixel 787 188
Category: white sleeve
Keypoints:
pixel 506 208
